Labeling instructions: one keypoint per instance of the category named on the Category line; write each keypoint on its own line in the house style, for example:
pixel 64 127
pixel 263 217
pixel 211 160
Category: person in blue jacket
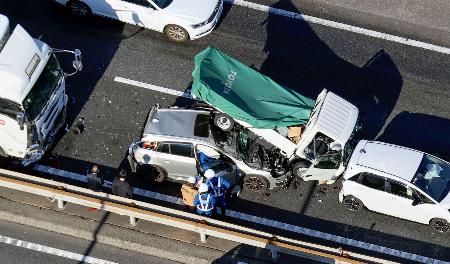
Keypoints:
pixel 204 201
pixel 204 160
pixel 219 187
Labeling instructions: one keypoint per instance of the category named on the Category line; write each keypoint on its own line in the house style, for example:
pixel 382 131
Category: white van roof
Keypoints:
pixel 337 117
pixel 20 52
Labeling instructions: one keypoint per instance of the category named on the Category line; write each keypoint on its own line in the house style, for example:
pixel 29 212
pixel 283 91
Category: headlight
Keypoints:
pixel 199 24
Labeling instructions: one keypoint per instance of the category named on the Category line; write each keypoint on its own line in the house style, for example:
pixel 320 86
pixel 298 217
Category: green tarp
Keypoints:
pixel 246 94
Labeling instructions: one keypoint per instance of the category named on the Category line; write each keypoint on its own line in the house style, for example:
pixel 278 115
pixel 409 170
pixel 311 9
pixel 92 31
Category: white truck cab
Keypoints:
pixel 319 149
pixel 32 95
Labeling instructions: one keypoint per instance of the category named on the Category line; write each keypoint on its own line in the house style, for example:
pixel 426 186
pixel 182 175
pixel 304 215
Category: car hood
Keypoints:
pixel 195 11
pixel 446 201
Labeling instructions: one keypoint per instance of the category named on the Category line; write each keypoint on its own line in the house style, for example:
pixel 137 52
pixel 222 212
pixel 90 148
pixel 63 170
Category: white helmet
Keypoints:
pixel 209 173
pixel 203 188
pixel 192 180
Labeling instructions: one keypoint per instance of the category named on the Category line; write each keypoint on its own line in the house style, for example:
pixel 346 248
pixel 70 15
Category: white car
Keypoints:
pixel 180 20
pixel 398 181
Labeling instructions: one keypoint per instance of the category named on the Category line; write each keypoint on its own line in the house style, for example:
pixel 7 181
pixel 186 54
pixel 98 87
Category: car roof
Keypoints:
pixel 392 159
pixel 174 122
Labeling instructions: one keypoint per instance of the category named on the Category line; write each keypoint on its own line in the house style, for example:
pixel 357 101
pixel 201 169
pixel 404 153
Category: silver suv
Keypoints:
pixel 173 138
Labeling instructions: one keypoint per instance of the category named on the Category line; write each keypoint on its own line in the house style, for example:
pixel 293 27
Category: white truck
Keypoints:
pixel 32 95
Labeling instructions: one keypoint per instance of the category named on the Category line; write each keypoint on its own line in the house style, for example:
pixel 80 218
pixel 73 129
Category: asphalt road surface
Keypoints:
pixel 402 92
pixel 21 244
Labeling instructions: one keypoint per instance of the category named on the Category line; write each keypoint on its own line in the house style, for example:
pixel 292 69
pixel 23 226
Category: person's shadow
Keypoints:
pixel 299 59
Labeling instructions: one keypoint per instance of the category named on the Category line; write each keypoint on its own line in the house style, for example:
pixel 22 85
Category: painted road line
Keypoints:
pixel 52 251
pixel 342 26
pixel 259 220
pixel 186 94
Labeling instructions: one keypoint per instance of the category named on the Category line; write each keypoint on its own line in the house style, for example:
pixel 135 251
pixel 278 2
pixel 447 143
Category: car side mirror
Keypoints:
pixel 20 118
pixel 416 201
pixel 77 64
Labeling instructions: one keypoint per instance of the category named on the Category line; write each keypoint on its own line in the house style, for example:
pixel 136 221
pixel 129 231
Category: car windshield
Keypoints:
pixel 433 177
pixel 162 3
pixel 229 141
pixel 42 89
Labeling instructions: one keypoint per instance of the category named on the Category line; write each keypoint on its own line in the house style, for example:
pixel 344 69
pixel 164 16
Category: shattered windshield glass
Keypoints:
pixel 234 142
pixel 433 177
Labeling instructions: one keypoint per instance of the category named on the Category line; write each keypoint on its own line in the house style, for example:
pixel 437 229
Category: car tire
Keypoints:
pixel 352 203
pixel 176 33
pixel 160 174
pixel 299 168
pixel 223 121
pixel 256 184
pixel 79 9
pixel 440 225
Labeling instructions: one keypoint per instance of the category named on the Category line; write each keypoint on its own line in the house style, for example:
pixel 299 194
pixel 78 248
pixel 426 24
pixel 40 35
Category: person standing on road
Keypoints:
pixel 120 185
pixel 95 182
pixel 188 192
pixel 204 201
pixel 218 186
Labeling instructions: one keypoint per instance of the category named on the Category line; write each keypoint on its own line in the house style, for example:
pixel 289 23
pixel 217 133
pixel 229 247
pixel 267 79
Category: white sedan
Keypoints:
pixel 180 20
pixel 400 182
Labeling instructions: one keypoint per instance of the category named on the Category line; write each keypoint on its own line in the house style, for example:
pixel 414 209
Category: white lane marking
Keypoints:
pixel 186 94
pixel 258 220
pixel 52 251
pixel 342 26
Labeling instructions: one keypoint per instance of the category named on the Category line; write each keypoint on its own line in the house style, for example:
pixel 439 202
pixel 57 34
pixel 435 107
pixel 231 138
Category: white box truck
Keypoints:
pixel 32 94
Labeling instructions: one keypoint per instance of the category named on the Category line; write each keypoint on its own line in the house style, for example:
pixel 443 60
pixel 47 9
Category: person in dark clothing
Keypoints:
pixel 121 187
pixel 95 182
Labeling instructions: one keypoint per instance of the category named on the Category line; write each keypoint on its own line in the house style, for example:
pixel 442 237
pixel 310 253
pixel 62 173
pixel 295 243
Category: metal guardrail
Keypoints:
pixel 204 226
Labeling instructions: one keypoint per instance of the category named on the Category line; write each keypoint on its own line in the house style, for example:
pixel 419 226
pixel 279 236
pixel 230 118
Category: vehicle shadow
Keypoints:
pixel 299 59
pixel 419 131
pixel 249 254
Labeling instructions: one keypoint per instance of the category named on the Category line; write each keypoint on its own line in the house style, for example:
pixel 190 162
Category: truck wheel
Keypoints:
pixel 352 203
pixel 160 174
pixel 255 184
pixel 223 121
pixel 440 225
pixel 176 33
pixel 79 9
pixel 299 168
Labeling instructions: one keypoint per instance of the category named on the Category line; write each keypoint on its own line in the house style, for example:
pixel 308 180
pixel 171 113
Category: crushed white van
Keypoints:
pixel 314 138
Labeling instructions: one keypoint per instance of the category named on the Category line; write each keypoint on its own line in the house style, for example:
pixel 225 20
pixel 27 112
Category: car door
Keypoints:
pixel 177 159
pixel 222 165
pixel 106 8
pixel 140 13
pixel 372 192
pixel 324 167
pixel 402 203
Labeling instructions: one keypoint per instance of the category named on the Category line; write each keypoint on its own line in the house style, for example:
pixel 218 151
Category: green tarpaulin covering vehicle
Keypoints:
pixel 245 94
